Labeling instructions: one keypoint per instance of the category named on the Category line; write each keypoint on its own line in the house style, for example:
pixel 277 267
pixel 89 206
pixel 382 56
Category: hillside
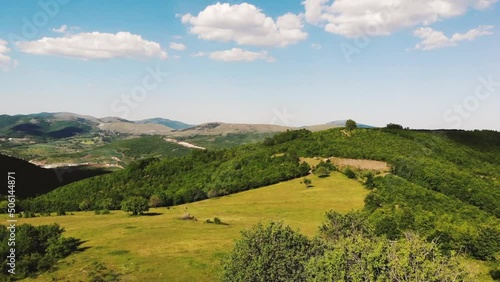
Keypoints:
pixel 32 180
pixel 161 245
pixel 440 167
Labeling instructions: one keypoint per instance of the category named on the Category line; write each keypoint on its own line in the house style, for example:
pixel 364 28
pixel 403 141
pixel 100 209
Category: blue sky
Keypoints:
pixel 423 64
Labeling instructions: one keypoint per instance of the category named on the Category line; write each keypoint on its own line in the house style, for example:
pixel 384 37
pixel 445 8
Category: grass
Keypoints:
pixel 161 247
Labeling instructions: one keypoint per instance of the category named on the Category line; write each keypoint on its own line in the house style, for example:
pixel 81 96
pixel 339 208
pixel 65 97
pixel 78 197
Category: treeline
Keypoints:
pixel 173 181
pixel 36 249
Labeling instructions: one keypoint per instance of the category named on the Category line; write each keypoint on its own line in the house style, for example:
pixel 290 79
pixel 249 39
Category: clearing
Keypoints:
pixel 161 247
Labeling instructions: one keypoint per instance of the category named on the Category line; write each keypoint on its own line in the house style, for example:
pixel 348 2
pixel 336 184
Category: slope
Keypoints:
pixel 163 247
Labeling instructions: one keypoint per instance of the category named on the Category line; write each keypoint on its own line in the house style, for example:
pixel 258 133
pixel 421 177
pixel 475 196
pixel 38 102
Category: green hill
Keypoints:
pixel 444 185
pixel 161 247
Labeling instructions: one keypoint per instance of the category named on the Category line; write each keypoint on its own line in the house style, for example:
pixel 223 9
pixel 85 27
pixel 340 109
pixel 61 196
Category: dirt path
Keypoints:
pixel 185 144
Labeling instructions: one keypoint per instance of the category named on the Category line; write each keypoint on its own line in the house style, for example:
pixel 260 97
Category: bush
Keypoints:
pixel 38 248
pixel 136 205
pixel 270 252
pixel 307 182
pixel 369 183
pixel 350 173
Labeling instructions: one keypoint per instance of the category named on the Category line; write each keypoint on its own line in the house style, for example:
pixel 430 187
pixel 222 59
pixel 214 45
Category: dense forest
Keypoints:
pixel 443 185
pixel 173 181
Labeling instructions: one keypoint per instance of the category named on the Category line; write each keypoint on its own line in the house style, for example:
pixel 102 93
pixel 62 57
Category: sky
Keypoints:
pixel 422 64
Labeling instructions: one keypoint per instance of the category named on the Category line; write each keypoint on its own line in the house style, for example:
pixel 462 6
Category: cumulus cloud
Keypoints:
pixel 6 62
pixel 95 45
pixel 245 24
pixel 177 46
pixel 383 17
pixel 236 55
pixel 433 39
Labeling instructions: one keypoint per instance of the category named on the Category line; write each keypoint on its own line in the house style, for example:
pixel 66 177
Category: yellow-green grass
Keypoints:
pixel 164 248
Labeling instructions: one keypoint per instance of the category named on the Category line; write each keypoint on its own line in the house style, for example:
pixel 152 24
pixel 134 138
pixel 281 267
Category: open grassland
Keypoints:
pixel 161 247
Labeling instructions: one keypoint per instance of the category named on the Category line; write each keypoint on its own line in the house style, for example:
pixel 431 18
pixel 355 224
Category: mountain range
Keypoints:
pixel 63 125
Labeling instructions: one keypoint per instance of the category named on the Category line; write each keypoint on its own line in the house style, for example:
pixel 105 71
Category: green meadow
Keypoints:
pixel 162 247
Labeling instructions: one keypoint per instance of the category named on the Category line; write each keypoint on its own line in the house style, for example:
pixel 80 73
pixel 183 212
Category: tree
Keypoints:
pixel 350 124
pixel 270 252
pixel 136 205
pixel 307 182
pixel 394 126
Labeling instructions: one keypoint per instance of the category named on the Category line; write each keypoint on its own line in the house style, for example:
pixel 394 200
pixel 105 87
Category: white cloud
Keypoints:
pixel 432 39
pixel 245 24
pixel 383 17
pixel 177 46
pixel 314 10
pixel 6 62
pixel 316 46
pixel 236 55
pixel 62 29
pixel 95 45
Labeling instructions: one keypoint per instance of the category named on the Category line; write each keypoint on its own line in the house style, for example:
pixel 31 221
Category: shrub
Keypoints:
pixel 270 252
pixel 307 182
pixel 350 173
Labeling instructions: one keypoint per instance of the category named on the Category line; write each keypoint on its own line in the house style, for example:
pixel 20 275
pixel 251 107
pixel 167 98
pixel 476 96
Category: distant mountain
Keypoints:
pixel 341 123
pixel 136 129
pixel 45 125
pixel 174 124
pixel 220 128
pixel 63 125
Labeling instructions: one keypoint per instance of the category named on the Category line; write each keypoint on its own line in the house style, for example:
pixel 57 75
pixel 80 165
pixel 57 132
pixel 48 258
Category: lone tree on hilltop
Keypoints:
pixel 394 126
pixel 350 124
pixel 136 205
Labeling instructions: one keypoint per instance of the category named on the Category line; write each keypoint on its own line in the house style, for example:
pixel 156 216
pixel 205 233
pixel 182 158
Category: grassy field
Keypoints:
pixel 161 247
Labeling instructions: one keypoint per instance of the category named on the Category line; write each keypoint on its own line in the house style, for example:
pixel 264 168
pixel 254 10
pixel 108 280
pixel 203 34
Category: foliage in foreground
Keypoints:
pixel 37 249
pixel 274 252
pixel 270 252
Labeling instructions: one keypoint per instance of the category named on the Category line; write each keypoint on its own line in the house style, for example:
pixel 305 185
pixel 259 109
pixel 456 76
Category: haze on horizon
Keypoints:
pixel 295 63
